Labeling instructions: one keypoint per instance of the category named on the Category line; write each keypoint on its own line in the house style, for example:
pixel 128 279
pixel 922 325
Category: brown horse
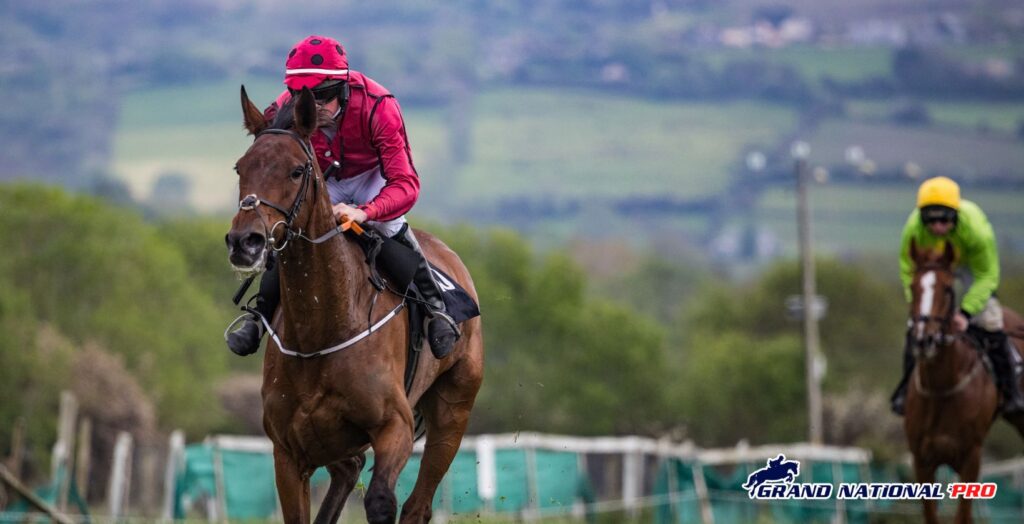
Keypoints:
pixel 326 410
pixel 952 400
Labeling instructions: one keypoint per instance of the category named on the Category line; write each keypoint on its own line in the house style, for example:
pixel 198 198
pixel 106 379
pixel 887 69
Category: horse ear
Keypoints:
pixel 948 254
pixel 252 116
pixel 914 253
pixel 305 113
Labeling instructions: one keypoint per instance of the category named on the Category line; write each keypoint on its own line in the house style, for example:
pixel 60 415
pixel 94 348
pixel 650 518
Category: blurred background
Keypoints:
pixel 617 176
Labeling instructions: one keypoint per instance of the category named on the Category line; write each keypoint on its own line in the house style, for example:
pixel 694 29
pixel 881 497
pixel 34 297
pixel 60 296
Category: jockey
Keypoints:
pixel 942 216
pixel 365 157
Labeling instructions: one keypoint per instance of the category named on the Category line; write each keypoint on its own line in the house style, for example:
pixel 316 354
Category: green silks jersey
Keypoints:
pixel 974 243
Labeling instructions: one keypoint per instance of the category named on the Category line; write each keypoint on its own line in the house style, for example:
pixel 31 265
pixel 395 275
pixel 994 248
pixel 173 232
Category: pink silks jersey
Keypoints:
pixel 371 144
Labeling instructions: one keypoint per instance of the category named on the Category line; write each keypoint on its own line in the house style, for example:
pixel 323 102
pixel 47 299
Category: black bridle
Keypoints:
pixel 253 201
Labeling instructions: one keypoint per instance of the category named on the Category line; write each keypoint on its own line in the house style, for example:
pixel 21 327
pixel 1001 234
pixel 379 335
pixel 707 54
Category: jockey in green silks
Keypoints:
pixel 942 216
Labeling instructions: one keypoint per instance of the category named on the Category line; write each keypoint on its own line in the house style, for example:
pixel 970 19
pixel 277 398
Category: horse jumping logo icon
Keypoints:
pixel 778 470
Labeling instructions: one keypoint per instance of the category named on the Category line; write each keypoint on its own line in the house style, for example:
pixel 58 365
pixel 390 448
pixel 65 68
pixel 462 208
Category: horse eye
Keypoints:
pixel 236 169
pixel 297 173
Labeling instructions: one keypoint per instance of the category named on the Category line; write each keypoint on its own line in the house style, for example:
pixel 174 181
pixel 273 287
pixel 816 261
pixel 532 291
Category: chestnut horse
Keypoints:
pixel 952 400
pixel 325 409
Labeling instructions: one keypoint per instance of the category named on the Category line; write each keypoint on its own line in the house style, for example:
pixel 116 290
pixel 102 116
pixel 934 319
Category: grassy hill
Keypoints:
pixel 552 145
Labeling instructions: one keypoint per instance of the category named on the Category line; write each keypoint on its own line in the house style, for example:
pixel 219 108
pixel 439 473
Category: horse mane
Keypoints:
pixel 285 117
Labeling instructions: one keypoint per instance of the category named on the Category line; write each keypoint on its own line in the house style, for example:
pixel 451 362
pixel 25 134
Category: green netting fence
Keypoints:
pixel 529 477
pixel 233 478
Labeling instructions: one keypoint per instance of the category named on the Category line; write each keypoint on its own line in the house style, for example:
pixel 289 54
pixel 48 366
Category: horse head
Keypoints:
pixel 275 177
pixel 934 303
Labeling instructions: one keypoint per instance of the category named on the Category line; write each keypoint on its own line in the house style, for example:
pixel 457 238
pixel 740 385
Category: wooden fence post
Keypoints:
pixel 175 460
pixel 83 463
pixel 17 456
pixel 120 476
pixel 64 449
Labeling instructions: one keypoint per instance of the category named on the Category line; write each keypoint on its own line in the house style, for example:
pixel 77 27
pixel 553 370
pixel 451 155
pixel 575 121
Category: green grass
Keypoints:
pixel 542 142
pixel 525 142
pixel 1003 117
pixel 814 63
pixel 862 220
pixel 951 152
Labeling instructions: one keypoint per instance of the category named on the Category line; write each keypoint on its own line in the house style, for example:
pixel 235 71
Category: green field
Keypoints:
pixel 594 148
pixel 814 63
pixel 1002 117
pixel 951 152
pixel 850 219
pixel 537 143
pixel 525 142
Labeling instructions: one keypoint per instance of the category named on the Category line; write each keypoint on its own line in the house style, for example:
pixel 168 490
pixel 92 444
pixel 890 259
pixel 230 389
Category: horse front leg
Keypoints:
pixel 392 446
pixel 969 471
pixel 292 488
pixel 344 475
pixel 925 474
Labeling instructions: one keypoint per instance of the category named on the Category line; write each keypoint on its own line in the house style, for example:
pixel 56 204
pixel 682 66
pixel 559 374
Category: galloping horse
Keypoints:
pixel 326 409
pixel 952 400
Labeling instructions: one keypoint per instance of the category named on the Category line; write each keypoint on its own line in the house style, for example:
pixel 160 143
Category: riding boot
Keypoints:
pixel 441 329
pixel 1008 372
pixel 246 339
pixel 899 397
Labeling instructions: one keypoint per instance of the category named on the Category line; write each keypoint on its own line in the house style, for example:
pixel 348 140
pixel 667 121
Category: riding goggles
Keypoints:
pixel 325 91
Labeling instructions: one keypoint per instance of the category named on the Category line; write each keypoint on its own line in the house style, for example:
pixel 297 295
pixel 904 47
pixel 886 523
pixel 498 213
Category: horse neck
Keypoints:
pixel 948 365
pixel 320 286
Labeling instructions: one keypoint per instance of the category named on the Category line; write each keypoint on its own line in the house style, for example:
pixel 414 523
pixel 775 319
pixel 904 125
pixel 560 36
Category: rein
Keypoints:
pixel 252 202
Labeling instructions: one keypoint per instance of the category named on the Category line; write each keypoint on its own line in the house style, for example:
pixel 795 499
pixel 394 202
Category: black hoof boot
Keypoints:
pixel 442 335
pixel 246 339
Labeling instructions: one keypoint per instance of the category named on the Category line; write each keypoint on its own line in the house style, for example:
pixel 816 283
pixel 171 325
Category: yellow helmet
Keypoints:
pixel 939 191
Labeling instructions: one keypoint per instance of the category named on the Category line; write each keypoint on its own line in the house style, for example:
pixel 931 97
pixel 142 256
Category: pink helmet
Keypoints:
pixel 313 60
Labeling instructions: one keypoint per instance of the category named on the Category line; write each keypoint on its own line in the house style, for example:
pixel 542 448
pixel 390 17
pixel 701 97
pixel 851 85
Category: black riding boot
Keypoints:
pixel 1008 373
pixel 246 339
pixel 441 329
pixel 899 397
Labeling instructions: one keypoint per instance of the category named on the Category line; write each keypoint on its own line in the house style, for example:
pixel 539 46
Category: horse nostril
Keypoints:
pixel 254 242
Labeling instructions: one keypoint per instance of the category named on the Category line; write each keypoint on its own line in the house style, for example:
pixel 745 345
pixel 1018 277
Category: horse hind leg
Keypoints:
pixel 445 407
pixel 344 475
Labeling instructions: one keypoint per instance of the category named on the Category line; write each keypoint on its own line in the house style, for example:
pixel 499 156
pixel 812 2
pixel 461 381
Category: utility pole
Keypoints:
pixel 812 345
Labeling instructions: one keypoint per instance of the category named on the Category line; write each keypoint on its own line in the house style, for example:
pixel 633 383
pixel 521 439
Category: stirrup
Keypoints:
pixel 447 318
